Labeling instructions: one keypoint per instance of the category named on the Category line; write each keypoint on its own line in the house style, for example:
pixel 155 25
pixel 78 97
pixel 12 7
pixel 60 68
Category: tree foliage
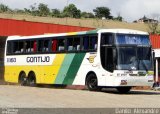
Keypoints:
pixel 43 10
pixel 4 8
pixel 153 24
pixel 55 13
pixel 153 27
pixel 71 11
pixel 87 15
pixel 102 12
pixel 118 18
pixel 33 10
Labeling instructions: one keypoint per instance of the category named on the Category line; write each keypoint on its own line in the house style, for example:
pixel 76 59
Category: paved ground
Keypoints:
pixel 36 97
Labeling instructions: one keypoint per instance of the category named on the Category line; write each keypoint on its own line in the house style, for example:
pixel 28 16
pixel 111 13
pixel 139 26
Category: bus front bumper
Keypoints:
pixel 131 81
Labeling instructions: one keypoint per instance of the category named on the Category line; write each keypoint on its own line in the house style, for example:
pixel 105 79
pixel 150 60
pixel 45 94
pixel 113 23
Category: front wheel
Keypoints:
pixel 92 83
pixel 123 89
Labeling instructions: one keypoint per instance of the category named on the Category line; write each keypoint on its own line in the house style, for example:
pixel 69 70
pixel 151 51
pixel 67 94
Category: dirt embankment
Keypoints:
pixel 93 23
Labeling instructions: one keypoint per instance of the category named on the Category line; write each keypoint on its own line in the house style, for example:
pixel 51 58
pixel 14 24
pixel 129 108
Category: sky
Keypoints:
pixel 130 10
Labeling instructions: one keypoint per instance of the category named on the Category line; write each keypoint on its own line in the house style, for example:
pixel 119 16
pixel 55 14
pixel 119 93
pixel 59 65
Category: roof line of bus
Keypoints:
pixel 56 34
pixel 129 31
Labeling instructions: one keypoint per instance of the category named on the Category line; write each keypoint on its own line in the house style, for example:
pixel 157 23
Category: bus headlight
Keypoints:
pixel 150 73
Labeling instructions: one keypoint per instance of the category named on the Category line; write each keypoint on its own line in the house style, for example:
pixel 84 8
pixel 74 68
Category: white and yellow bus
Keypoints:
pixel 119 58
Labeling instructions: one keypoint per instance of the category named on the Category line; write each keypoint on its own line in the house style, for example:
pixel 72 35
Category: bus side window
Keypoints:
pixel 46 46
pixel 70 44
pixel 18 47
pixel 90 43
pixel 40 45
pixel 61 44
pixel 54 45
pixel 9 47
pixel 73 44
pixel 107 39
pixel 76 43
pixel 27 50
pixel 93 42
pixel 34 46
pixel 30 47
pixel 85 43
pixel 43 45
pixel 15 47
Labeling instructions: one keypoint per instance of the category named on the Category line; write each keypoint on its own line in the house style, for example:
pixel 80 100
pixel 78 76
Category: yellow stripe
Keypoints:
pixel 72 33
pixel 52 71
pixel 11 74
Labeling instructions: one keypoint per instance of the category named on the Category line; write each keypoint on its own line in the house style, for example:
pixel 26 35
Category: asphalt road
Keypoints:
pixel 38 97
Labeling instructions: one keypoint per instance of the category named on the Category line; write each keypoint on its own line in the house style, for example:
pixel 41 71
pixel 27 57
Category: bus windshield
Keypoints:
pixel 134 58
pixel 126 58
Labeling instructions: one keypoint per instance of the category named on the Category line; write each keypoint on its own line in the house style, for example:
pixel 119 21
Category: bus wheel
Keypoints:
pixel 123 89
pixel 22 79
pixel 92 83
pixel 32 79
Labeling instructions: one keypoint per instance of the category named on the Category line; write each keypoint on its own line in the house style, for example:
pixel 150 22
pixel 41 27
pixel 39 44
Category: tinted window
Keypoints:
pixel 89 43
pixel 30 46
pixel 107 39
pixel 18 46
pixel 9 47
pixel 61 44
pixel 43 45
pixel 73 44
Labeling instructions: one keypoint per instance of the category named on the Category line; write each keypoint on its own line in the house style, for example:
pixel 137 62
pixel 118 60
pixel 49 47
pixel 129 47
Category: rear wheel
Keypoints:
pixel 123 89
pixel 22 79
pixel 92 83
pixel 32 80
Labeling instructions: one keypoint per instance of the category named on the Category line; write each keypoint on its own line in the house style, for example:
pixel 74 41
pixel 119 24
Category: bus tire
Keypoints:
pixel 92 82
pixel 22 79
pixel 123 89
pixel 32 79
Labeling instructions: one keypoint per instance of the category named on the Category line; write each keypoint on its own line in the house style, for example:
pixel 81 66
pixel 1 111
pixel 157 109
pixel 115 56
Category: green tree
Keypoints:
pixel 4 8
pixel 71 11
pixel 153 24
pixel 102 12
pixel 153 27
pixel 27 11
pixel 55 13
pixel 87 15
pixel 119 18
pixel 43 10
pixel 19 11
pixel 34 10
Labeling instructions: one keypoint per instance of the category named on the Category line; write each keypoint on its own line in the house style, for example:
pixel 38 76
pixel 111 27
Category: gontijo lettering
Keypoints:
pixel 38 59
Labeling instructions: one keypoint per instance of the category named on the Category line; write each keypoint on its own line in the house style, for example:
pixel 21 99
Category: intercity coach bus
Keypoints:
pixel 119 58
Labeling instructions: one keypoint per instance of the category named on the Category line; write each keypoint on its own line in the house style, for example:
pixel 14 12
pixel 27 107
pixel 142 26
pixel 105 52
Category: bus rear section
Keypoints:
pixel 62 59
